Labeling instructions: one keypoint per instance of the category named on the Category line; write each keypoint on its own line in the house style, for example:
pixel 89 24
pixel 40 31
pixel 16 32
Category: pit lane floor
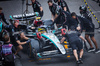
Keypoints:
pixel 90 59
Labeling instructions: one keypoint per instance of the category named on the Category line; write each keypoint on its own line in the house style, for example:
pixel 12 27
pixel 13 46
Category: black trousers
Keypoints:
pixel 8 64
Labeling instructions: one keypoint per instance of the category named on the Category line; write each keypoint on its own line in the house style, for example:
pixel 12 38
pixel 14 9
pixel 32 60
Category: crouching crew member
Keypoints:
pixel 16 36
pixel 2 17
pixel 7 51
pixel 2 31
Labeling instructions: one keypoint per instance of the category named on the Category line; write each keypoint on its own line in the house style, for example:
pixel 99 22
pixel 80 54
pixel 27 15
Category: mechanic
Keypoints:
pixel 64 19
pixel 75 42
pixel 8 51
pixel 16 36
pixel 21 41
pixel 88 27
pixel 2 17
pixel 63 4
pixel 37 7
pixel 84 13
pixel 77 22
pixel 54 9
pixel 2 31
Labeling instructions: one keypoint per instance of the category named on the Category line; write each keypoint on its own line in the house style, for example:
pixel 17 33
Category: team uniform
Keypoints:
pixel 63 18
pixel 54 9
pixel 87 15
pixel 74 40
pixel 2 17
pixel 63 4
pixel 87 25
pixel 14 37
pixel 8 54
pixel 1 34
pixel 11 29
pixel 36 8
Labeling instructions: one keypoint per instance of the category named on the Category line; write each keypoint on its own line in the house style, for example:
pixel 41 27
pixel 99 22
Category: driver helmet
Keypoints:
pixel 38 23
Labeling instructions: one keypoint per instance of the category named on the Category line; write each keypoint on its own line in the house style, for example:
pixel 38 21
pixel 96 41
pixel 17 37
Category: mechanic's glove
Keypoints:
pixel 28 4
pixel 7 23
pixel 51 26
pixel 28 41
pixel 32 28
pixel 58 42
pixel 41 13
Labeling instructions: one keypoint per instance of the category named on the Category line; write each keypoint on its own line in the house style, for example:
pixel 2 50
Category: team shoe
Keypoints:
pixel 0 63
pixel 91 50
pixel 78 62
pixel 81 62
pixel 97 51
pixel 18 55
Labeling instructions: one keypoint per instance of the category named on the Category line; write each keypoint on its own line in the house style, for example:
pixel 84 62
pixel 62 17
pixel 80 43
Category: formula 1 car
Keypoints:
pixel 45 44
pixel 45 41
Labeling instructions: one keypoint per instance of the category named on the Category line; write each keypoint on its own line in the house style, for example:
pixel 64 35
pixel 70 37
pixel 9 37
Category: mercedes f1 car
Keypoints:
pixel 45 42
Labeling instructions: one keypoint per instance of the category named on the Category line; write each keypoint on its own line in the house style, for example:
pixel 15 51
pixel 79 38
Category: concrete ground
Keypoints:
pixel 90 59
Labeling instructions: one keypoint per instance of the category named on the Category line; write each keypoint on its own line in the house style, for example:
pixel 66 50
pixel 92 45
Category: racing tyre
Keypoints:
pixel 34 54
pixel 33 48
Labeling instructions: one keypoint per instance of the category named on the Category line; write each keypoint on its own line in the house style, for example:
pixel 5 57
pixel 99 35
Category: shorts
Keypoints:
pixel 90 32
pixel 77 45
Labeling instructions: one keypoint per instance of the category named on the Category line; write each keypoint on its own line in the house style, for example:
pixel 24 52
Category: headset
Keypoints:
pixel 83 7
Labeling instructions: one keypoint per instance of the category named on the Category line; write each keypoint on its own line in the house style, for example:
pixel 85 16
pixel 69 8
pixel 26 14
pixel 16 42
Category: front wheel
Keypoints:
pixel 34 54
pixel 33 49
